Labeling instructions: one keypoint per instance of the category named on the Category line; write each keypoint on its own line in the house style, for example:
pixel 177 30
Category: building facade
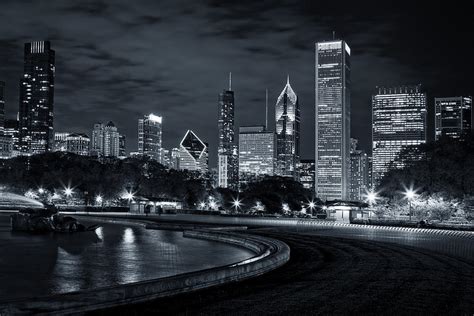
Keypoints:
pixel 105 140
pixel 287 117
pixel 360 183
pixel 78 144
pixel 37 99
pixel 306 169
pixel 398 121
pixel 193 153
pixel 122 146
pixel 60 143
pixel 2 106
pixel 150 136
pixel 453 116
pixel 11 129
pixel 332 123
pixel 227 153
pixel 257 153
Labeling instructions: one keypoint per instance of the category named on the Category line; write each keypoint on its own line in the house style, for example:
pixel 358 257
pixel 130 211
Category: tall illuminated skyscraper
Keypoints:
pixel 227 155
pixel 193 153
pixel 149 136
pixel 333 104
pixel 287 117
pixel 37 99
pixel 398 120
pixel 453 116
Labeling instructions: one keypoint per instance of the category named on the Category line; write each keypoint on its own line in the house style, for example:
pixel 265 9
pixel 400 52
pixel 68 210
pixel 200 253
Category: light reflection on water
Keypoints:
pixel 34 265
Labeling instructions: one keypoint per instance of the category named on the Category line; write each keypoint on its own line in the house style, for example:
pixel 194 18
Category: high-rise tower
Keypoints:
pixel 37 99
pixel 149 136
pixel 227 153
pixel 398 120
pixel 287 116
pixel 332 152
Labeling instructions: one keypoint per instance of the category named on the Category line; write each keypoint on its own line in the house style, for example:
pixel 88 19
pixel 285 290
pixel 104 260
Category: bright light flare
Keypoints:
pixel 237 203
pixel 41 191
pixel 410 194
pixel 98 199
pixel 311 205
pixel 128 195
pixel 68 191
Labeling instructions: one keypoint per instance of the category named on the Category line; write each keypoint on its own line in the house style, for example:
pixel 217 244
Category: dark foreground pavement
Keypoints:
pixel 328 275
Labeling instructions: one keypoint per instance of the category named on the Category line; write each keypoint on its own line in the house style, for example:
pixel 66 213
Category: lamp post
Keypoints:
pixel 410 195
pixel 236 204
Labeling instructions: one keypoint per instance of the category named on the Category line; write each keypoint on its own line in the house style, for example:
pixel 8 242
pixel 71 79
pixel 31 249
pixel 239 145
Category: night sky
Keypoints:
pixel 117 60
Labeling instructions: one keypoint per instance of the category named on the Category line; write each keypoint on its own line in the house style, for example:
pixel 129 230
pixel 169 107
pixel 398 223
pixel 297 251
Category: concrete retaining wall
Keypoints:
pixel 271 254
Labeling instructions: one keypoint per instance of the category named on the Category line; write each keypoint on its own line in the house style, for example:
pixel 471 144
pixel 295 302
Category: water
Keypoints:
pixel 35 265
pixel 8 200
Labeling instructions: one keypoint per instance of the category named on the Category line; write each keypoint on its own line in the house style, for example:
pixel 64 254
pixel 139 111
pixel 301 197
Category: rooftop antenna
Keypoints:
pixel 230 81
pixel 287 78
pixel 333 35
pixel 266 109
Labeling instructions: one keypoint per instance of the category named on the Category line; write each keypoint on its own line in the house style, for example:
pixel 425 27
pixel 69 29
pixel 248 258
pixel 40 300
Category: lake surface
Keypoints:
pixel 37 265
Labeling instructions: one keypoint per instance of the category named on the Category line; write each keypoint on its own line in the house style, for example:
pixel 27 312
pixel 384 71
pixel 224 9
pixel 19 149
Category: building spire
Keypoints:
pixel 230 81
pixel 266 109
pixel 333 35
pixel 287 79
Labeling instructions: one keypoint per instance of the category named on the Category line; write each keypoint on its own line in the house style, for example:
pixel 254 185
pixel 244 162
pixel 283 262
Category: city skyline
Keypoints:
pixel 112 65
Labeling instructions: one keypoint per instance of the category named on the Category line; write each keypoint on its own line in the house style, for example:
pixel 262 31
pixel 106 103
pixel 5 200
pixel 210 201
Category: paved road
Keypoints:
pixel 331 275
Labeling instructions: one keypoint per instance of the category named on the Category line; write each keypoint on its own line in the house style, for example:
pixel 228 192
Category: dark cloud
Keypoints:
pixel 117 60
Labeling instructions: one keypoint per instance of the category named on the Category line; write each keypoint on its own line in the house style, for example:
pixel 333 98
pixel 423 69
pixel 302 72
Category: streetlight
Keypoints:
pixel 40 190
pixel 202 205
pixel 410 194
pixel 68 191
pixel 236 204
pixel 98 199
pixel 128 196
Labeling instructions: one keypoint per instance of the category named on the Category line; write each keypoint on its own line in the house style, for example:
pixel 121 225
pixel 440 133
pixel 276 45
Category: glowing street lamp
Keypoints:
pixel 237 204
pixel 68 191
pixel 202 205
pixel 212 204
pixel 98 199
pixel 371 197
pixel 129 196
pixel 410 195
pixel 40 190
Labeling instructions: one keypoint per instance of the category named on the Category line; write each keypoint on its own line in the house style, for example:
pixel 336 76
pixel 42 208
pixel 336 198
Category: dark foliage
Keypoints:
pixel 110 178
pixel 446 167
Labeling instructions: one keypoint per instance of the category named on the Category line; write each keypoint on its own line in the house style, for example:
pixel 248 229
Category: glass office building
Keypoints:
pixel 193 153
pixel 150 136
pixel 453 116
pixel 37 99
pixel 332 147
pixel 257 153
pixel 398 120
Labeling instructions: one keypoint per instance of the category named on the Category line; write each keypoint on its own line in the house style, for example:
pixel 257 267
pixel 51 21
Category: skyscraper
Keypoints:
pixel 227 156
pixel 111 140
pixel 359 173
pixel 193 153
pixel 287 116
pixel 257 153
pixel 2 106
pixel 149 136
pixel 97 142
pixel 122 146
pixel 332 152
pixel 453 116
pixel 37 99
pixel 398 120
pixel 105 140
